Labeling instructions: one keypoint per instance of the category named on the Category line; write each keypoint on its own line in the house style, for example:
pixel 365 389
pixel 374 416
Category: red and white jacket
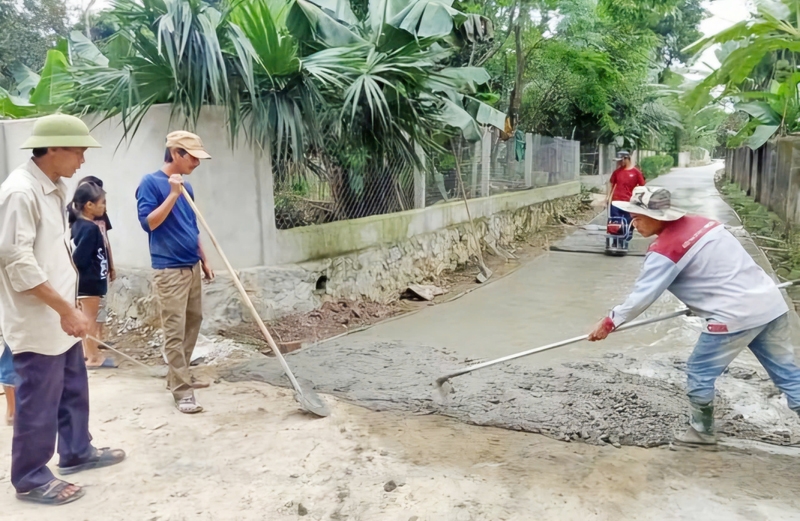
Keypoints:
pixel 706 268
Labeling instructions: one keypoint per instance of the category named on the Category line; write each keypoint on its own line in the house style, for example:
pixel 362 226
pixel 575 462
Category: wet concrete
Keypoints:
pixel 612 400
pixel 626 390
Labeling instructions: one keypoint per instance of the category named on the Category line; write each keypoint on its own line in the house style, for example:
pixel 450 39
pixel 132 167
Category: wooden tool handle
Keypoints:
pixel 245 297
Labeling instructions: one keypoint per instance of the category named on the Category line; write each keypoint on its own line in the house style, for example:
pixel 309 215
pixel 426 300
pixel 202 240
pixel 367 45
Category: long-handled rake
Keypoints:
pixel 485 273
pixel 444 388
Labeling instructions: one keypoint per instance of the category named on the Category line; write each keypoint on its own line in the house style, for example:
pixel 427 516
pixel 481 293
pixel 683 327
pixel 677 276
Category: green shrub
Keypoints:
pixel 654 166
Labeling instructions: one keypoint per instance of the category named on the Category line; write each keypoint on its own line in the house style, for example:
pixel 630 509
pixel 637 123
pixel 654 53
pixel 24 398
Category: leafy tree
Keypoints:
pixel 679 29
pixel 27 30
pixel 102 25
pixel 585 68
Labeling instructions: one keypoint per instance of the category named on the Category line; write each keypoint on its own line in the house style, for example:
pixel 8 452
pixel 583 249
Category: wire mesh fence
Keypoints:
pixel 322 190
pixel 441 175
pixel 598 159
pixel 558 158
pixel 333 187
pixel 496 165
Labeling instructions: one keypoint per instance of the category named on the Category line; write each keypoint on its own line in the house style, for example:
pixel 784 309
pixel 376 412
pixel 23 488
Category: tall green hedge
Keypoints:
pixel 654 166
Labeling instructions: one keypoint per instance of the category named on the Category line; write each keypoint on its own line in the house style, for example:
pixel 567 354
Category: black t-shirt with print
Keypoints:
pixel 91 258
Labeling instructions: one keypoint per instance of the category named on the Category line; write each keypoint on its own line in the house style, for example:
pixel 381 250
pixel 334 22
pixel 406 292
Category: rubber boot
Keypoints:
pixel 701 426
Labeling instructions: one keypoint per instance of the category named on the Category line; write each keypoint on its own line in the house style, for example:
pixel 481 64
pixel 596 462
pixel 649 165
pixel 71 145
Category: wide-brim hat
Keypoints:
pixel 60 130
pixel 651 201
pixel 189 142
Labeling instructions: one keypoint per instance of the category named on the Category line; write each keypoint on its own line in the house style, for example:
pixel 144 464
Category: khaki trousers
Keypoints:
pixel 180 292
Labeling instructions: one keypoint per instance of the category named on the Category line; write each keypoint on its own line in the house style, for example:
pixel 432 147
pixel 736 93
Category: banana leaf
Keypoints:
pixel 14 107
pixel 761 135
pixel 308 22
pixel 82 48
pixel 25 79
pixel 55 85
pixel 760 110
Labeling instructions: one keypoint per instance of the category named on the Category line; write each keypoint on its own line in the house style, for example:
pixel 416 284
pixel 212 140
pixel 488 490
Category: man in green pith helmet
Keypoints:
pixel 39 318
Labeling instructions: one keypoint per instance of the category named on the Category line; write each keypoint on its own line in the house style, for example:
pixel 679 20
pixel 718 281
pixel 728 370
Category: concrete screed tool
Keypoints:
pixel 444 388
pixel 307 398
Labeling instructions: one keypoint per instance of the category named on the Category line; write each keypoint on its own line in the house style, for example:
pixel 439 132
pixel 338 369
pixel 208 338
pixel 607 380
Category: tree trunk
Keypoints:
pixel 87 20
pixel 515 101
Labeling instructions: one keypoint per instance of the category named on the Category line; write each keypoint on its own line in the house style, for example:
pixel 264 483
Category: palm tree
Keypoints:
pixel 305 79
pixel 395 102
pixel 190 54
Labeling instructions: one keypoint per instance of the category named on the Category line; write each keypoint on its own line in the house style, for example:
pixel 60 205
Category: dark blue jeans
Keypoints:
pixel 613 211
pixel 52 402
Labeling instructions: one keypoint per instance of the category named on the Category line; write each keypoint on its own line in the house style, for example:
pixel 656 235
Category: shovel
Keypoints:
pixel 307 398
pixel 444 388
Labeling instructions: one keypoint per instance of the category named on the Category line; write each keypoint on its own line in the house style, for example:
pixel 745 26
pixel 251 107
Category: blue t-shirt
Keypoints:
pixel 176 243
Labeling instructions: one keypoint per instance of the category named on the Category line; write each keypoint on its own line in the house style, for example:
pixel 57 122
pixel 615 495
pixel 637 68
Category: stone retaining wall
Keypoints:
pixel 378 273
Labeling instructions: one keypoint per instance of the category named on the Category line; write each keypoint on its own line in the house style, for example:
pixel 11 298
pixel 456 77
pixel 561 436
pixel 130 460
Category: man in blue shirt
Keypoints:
pixel 178 259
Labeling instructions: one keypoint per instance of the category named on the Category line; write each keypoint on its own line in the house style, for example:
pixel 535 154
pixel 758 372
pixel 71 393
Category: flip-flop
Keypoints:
pixel 104 457
pixel 49 494
pixel 108 363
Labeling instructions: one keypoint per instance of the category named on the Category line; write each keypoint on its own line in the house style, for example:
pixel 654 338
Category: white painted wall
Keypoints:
pixel 233 190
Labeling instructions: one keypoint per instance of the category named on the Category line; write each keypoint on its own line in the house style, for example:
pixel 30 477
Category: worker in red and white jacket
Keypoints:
pixel 706 267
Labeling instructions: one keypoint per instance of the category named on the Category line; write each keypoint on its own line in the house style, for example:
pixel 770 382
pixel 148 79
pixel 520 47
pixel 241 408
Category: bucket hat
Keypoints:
pixel 60 130
pixel 651 201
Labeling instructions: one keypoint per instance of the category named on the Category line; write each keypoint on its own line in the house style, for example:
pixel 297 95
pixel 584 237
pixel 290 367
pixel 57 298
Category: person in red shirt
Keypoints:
pixel 624 179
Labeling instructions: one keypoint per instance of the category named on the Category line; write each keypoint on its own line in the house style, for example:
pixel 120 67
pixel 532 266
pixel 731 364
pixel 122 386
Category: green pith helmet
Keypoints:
pixel 60 130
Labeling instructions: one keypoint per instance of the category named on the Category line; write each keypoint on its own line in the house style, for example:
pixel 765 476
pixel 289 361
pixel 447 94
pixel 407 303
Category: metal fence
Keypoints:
pixel 598 159
pixel 495 166
pixel 323 190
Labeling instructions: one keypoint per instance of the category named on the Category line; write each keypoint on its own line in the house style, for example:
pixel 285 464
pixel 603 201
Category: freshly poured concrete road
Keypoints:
pixel 561 295
pixel 634 396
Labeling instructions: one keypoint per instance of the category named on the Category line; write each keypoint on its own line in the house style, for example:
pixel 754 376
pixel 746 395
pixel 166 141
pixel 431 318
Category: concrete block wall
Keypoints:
pixel 771 175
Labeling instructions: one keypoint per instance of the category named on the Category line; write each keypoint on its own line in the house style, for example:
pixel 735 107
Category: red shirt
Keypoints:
pixel 624 181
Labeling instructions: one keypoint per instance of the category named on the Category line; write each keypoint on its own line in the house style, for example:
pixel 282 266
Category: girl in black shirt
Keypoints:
pixel 91 258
